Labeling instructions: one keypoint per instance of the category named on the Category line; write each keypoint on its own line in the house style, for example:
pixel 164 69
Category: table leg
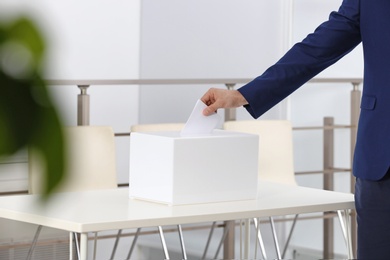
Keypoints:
pixel 183 248
pixel 276 242
pixel 83 246
pixel 348 233
pixel 226 231
pixel 259 237
pixel 209 239
pixel 71 246
pixel 34 242
pixel 164 245
pixel 133 243
pixel 345 225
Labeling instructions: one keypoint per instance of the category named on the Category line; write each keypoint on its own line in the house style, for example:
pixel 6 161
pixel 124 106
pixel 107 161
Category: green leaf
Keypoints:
pixel 28 117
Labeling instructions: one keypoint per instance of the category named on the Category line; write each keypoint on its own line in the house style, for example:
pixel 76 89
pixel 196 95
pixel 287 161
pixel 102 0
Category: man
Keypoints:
pixel 356 21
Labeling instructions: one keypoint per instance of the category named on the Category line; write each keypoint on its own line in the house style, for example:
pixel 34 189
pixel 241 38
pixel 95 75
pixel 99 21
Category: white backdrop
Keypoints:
pixel 203 39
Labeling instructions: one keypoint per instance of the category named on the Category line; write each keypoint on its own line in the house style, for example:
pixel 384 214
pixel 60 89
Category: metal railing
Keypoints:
pixel 230 83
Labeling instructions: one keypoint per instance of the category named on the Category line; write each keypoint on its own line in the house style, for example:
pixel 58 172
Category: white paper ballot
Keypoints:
pixel 198 124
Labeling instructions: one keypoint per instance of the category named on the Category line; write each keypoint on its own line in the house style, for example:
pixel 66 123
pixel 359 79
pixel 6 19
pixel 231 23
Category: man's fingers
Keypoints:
pixel 208 97
pixel 209 110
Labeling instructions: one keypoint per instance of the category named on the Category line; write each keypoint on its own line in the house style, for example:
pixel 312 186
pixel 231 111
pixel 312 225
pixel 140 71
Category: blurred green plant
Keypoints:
pixel 28 117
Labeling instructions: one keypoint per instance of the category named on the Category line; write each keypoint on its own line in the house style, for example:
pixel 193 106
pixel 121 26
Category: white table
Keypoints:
pixel 93 211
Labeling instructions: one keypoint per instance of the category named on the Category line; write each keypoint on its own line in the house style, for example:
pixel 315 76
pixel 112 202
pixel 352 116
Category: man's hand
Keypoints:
pixel 216 98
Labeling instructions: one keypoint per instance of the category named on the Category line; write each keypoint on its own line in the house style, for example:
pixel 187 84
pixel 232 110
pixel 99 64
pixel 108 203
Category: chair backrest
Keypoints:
pixel 91 161
pixel 275 147
pixel 157 127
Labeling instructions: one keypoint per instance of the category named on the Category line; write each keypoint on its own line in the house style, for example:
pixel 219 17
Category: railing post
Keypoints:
pixel 230 113
pixel 328 184
pixel 83 106
pixel 355 108
pixel 228 246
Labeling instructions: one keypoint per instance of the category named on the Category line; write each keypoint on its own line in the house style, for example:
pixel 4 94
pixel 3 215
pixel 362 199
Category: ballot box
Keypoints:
pixel 168 168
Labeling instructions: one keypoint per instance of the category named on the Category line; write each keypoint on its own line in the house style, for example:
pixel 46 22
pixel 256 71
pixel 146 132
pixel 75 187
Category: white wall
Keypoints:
pixel 203 39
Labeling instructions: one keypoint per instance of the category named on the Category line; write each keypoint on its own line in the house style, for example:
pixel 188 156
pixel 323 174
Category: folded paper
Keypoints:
pixel 198 124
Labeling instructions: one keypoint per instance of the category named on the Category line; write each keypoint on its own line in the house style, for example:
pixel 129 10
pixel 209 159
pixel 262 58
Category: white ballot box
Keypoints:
pixel 169 168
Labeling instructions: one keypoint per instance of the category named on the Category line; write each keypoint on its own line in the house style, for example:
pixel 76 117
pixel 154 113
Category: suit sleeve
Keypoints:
pixel 327 44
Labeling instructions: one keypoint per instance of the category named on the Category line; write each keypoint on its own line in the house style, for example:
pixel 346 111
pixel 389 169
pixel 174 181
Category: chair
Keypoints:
pixel 154 128
pixel 275 146
pixel 91 164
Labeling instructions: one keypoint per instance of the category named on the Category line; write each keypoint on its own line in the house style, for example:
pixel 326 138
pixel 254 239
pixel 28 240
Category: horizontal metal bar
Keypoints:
pixel 10 193
pixel 354 81
pixel 146 81
pixel 294 128
pixel 327 171
pixel 14 161
pixel 323 127
pixel 55 82
pixel 341 169
pixel 122 134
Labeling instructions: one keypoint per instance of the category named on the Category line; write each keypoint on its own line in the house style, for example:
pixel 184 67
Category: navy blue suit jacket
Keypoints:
pixel 356 21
